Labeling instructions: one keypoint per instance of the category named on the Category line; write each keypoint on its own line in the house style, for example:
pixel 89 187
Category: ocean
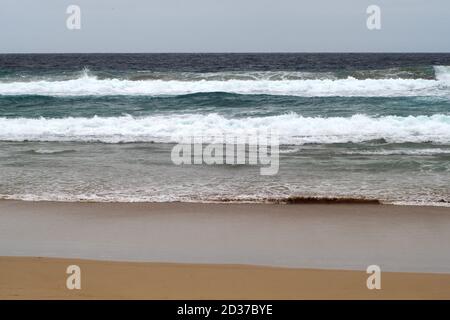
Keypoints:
pixel 101 127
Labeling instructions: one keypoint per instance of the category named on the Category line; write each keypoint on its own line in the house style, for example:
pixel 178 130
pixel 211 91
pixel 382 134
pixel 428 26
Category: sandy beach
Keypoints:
pixel 209 251
pixel 43 278
pixel 225 150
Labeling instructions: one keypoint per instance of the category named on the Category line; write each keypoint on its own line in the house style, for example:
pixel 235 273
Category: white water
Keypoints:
pixel 406 152
pixel 291 128
pixel 89 85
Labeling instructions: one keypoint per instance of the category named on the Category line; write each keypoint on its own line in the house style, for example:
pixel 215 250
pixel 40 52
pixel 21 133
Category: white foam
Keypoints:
pixel 292 128
pixel 177 198
pixel 430 203
pixel 442 73
pixel 412 152
pixel 48 151
pixel 88 85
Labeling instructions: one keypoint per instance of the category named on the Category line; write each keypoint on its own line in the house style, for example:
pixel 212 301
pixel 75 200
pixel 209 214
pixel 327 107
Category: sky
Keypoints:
pixel 39 26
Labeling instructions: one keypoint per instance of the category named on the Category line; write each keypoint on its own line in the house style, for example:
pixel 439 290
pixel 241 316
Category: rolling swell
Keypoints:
pixel 227 104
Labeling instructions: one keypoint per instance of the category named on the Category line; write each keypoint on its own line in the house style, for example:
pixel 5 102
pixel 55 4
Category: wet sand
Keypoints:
pixel 342 237
pixel 187 250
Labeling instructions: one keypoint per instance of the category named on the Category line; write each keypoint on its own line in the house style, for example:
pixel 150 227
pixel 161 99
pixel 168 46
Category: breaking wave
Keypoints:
pixel 296 84
pixel 291 128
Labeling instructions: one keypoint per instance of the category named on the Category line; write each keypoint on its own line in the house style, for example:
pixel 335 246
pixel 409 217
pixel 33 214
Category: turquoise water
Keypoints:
pixel 102 127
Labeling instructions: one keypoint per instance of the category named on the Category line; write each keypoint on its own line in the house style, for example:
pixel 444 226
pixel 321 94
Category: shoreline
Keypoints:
pixel 316 236
pixel 269 201
pixel 276 202
pixel 45 278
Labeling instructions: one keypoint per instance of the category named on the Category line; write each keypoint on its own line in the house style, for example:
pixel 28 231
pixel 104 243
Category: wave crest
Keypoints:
pixel 280 84
pixel 292 128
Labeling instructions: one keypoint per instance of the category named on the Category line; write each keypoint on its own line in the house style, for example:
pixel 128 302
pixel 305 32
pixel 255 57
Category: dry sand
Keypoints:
pixel 44 278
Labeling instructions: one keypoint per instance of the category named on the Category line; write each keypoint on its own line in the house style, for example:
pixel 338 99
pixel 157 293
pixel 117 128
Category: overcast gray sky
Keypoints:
pixel 224 26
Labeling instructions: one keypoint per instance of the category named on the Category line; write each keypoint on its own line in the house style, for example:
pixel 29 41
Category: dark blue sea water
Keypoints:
pixel 101 127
